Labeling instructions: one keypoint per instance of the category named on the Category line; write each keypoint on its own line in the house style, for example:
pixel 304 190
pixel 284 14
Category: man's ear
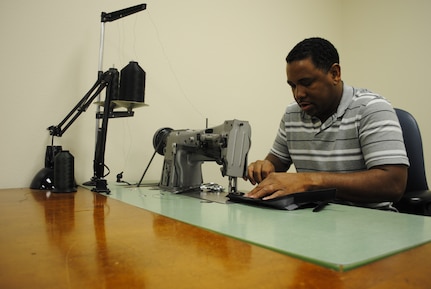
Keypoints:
pixel 335 72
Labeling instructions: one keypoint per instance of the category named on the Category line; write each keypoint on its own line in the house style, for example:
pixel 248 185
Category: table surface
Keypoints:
pixel 338 237
pixel 88 240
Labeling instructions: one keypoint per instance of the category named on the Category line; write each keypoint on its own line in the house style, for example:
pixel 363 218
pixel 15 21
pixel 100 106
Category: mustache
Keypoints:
pixel 302 102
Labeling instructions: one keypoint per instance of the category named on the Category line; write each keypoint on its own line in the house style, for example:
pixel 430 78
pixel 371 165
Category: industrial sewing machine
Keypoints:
pixel 185 150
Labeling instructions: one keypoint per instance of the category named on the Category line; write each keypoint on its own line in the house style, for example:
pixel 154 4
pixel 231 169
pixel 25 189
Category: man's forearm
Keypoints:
pixel 384 183
pixel 278 164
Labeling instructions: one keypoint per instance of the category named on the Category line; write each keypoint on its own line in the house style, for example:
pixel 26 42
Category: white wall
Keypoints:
pixel 204 59
pixel 386 47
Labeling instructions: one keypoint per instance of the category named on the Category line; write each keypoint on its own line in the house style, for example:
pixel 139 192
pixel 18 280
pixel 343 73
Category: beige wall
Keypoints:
pixel 386 47
pixel 204 59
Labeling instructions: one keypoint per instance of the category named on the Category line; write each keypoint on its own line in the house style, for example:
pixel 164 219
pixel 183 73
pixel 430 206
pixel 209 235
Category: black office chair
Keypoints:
pixel 417 196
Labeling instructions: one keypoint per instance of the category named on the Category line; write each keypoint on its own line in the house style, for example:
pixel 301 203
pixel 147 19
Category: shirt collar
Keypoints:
pixel 346 99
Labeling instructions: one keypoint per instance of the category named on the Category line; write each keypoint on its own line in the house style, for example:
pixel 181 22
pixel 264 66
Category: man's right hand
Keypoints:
pixel 259 170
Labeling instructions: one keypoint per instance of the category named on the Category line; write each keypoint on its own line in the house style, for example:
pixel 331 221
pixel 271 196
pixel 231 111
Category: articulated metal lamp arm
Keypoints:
pixel 109 17
pixel 81 106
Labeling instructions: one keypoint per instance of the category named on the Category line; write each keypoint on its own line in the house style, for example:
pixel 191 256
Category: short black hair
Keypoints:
pixel 322 53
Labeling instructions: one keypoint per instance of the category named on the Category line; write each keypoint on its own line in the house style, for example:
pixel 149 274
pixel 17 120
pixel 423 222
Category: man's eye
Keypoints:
pixel 292 85
pixel 306 82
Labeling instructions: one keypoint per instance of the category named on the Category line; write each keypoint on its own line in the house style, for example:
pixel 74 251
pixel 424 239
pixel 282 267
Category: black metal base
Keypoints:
pixel 101 187
pixel 90 183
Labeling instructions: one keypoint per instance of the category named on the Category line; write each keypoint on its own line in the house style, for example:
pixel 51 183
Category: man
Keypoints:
pixel 336 136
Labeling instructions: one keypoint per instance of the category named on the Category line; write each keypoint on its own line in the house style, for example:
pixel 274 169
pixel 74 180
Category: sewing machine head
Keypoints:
pixel 185 150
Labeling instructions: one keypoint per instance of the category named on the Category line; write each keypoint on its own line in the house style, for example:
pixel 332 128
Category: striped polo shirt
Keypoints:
pixel 363 133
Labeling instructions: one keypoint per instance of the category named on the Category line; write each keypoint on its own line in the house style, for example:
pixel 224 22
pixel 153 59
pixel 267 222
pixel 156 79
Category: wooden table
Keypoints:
pixel 86 240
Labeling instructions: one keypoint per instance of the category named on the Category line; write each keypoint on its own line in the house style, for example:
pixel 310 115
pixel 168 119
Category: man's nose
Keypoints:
pixel 299 92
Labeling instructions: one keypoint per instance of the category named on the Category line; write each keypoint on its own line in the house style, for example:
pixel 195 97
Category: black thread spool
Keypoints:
pixel 132 83
pixel 64 173
pixel 115 84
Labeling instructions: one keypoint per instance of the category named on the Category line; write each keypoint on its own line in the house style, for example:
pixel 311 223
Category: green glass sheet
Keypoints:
pixel 338 237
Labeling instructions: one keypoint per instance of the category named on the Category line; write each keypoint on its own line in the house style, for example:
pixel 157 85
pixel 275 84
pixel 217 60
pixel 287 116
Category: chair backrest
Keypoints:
pixel 416 180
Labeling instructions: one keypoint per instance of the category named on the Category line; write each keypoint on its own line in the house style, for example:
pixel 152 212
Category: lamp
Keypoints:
pixel 129 94
pixel 44 179
pixel 134 86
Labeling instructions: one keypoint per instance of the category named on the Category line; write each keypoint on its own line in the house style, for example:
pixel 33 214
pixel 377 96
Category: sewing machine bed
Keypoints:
pixel 290 202
pixel 217 197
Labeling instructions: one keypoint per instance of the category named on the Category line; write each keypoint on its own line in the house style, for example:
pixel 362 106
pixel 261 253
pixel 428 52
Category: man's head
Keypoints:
pixel 314 74
pixel 321 52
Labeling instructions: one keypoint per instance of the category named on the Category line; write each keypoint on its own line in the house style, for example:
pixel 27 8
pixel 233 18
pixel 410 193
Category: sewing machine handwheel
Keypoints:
pixel 159 139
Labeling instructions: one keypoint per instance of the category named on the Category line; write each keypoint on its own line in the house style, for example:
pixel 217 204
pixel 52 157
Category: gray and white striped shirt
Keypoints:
pixel 363 133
